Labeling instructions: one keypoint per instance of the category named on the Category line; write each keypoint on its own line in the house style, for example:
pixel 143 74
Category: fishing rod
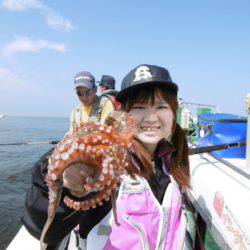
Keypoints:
pixel 207 149
pixel 29 143
pixel 192 151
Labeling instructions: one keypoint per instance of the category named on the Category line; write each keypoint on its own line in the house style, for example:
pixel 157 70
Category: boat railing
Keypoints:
pixel 216 109
pixel 187 105
pixel 233 167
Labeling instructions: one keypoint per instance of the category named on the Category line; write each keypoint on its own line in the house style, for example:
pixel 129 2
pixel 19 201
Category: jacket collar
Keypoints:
pixel 164 151
pixel 164 148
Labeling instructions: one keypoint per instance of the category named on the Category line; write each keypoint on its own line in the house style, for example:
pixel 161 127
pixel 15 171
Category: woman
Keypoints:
pixel 150 96
pixel 149 203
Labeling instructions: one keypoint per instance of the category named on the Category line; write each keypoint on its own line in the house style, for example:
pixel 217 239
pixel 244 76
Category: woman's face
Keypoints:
pixel 154 121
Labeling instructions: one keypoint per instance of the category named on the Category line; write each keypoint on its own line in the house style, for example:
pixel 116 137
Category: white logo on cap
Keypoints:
pixel 79 78
pixel 142 73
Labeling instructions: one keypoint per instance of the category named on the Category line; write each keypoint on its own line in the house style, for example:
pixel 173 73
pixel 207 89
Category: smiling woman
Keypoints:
pixel 150 96
pixel 149 93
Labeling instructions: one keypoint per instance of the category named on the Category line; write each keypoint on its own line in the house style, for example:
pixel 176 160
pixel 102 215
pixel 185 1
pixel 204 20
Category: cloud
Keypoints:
pixel 57 22
pixel 53 19
pixel 22 5
pixel 25 44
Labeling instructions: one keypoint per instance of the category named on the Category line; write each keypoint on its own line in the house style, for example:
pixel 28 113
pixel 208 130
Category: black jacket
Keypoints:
pixel 36 204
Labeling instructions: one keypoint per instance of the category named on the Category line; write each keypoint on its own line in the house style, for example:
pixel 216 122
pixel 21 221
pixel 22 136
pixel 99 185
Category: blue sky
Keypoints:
pixel 43 44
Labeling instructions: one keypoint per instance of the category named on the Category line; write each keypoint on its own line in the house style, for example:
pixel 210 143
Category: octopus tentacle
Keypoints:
pixel 55 191
pixel 113 200
pixel 91 203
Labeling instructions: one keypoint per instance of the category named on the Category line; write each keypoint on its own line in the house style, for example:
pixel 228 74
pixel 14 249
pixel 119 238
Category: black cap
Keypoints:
pixel 146 75
pixel 108 81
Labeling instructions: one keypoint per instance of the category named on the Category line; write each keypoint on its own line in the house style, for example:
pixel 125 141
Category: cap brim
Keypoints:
pixel 123 94
pixel 104 83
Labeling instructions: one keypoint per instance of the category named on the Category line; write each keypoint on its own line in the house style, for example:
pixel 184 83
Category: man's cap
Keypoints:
pixel 84 79
pixel 146 75
pixel 108 81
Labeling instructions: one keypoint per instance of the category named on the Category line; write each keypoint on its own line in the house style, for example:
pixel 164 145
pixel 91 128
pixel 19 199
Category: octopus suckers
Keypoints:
pixel 82 146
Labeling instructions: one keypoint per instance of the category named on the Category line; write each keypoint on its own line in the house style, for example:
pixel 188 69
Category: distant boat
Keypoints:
pixel 2 116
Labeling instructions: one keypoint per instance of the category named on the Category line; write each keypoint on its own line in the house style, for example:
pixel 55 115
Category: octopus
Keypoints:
pixel 102 154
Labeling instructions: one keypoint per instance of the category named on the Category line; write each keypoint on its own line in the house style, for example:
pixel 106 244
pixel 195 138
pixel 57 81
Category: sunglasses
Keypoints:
pixel 84 93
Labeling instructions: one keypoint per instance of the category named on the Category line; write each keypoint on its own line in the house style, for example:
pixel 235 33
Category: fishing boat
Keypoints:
pixel 220 180
pixel 2 116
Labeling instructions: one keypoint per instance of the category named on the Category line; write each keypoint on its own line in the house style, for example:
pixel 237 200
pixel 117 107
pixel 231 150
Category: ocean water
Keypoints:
pixel 16 163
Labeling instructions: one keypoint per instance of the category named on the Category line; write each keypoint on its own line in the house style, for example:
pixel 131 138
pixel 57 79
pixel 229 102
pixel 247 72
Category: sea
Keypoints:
pixel 16 162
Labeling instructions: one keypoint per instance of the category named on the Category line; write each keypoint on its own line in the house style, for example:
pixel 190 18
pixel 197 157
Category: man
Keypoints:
pixel 90 108
pixel 107 85
pixel 108 93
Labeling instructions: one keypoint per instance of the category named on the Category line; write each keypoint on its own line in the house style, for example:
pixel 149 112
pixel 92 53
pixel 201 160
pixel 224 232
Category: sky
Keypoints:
pixel 204 44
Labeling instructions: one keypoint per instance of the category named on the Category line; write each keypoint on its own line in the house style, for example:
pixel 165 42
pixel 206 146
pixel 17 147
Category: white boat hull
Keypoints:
pixel 24 240
pixel 222 196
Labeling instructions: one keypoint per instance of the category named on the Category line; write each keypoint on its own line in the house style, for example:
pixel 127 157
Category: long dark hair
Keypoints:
pixel 179 167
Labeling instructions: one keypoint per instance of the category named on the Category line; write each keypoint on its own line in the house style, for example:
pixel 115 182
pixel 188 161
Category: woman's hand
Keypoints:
pixel 74 178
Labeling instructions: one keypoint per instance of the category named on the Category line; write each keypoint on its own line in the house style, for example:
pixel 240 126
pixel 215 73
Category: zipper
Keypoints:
pixel 164 208
pixel 161 241
pixel 143 236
